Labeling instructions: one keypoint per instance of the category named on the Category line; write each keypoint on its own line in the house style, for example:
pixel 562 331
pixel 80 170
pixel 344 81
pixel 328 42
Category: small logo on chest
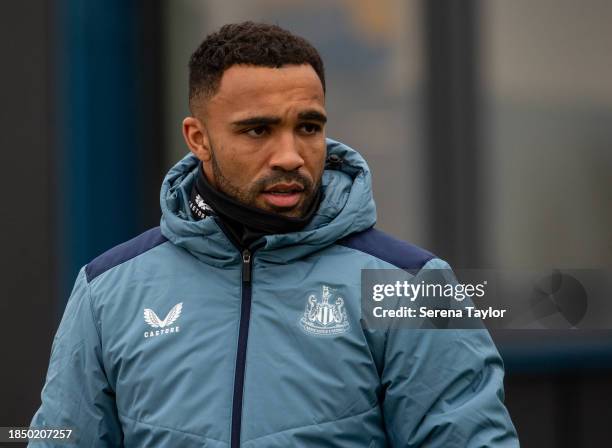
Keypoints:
pixel 163 326
pixel 323 317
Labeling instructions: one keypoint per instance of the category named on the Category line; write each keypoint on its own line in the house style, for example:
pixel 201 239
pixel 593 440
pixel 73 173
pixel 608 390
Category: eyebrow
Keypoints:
pixel 264 120
pixel 257 121
pixel 313 115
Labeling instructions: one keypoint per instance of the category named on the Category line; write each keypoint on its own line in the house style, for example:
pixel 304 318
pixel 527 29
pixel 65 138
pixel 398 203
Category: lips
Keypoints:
pixel 292 187
pixel 283 195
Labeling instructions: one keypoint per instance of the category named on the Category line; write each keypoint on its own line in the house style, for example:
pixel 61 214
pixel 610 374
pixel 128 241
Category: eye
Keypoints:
pixel 259 131
pixel 310 128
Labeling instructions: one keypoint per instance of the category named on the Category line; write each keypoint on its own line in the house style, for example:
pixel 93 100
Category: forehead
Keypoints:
pixel 248 89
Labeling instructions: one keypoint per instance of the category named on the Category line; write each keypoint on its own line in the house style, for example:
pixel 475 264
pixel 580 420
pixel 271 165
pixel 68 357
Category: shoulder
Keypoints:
pixel 383 246
pixel 124 252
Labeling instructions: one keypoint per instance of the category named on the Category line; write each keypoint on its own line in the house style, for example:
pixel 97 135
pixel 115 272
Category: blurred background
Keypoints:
pixel 487 125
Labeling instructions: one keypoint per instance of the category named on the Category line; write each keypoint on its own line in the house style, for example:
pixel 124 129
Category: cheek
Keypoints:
pixel 315 159
pixel 242 170
pixel 237 163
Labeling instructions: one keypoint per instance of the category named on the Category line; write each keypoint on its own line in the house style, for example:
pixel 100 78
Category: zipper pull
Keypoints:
pixel 246 266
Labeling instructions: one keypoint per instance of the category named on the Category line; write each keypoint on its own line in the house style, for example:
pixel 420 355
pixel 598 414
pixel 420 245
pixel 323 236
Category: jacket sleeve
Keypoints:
pixel 444 388
pixel 76 393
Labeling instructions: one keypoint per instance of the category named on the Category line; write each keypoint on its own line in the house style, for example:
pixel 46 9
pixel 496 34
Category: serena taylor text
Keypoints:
pixel 423 311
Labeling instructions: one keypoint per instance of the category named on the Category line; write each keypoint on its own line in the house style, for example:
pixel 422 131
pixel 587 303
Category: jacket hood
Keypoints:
pixel 346 206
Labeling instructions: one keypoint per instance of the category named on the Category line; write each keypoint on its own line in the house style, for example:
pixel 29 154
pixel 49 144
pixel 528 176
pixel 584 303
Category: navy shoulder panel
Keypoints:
pixel 124 252
pixel 387 248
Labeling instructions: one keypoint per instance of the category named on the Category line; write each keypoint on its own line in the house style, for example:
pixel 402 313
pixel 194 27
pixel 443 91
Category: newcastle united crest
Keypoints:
pixel 323 317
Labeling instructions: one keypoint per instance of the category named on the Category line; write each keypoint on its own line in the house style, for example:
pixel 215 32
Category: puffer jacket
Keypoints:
pixel 178 338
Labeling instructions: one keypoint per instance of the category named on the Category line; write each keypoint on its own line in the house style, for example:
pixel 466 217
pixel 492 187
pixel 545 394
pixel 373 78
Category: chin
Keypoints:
pixel 294 212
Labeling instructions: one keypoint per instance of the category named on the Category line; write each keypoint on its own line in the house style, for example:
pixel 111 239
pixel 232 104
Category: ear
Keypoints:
pixel 196 138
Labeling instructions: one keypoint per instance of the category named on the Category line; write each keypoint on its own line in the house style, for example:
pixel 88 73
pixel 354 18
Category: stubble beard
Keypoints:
pixel 249 196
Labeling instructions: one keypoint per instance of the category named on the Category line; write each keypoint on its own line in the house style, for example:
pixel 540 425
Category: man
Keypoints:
pixel 237 322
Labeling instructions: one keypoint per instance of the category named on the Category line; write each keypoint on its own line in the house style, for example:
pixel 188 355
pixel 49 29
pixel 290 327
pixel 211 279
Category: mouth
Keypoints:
pixel 283 195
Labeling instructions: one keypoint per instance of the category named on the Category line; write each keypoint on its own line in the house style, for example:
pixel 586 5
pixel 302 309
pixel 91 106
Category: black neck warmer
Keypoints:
pixel 246 224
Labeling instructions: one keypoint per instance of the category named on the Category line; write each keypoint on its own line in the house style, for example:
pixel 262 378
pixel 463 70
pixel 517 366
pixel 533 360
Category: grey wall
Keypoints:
pixel 27 265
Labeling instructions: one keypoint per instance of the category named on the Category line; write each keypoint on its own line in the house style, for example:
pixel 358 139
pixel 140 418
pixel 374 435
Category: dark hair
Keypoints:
pixel 248 43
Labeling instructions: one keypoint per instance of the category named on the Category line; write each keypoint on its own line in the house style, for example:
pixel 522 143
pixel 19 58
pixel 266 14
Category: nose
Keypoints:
pixel 285 153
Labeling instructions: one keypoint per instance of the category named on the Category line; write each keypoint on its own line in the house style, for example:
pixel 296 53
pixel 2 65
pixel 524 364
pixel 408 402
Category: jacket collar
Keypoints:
pixel 246 224
pixel 346 206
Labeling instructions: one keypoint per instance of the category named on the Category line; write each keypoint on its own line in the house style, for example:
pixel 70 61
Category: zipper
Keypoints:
pixel 246 266
pixel 245 317
pixel 243 332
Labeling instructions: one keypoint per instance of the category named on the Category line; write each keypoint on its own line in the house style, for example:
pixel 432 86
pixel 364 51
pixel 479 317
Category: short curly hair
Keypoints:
pixel 247 43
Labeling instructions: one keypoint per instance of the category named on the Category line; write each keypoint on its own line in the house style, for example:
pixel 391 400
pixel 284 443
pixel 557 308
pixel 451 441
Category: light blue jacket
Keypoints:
pixel 179 339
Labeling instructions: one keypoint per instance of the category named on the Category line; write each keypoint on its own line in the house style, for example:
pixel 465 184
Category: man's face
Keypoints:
pixel 263 136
